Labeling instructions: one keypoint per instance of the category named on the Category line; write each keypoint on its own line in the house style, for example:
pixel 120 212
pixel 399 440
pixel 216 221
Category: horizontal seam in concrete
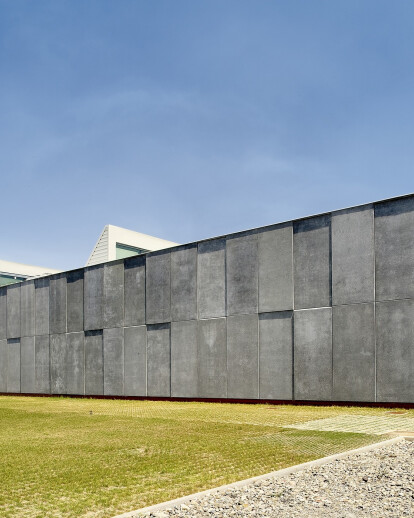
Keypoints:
pixel 366 302
pixel 344 304
pixel 354 303
pixel 310 309
pixel 184 320
pixel 274 474
pixel 393 300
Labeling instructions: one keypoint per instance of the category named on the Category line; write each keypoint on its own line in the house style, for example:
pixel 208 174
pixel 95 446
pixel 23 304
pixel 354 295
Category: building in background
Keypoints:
pixel 16 272
pixel 118 243
pixel 113 243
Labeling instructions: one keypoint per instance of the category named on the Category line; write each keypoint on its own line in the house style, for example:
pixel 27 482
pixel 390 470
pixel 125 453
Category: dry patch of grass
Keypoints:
pixel 65 457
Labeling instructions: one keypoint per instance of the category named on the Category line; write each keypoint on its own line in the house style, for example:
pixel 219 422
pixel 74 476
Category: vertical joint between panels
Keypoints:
pixel 293 314
pixel 258 309
pixel 146 360
pixel 258 356
pixel 330 304
pixel 293 353
pixel 375 302
pixel 225 315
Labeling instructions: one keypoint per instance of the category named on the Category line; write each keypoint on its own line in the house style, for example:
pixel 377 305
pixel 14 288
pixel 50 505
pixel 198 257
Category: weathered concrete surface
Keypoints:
pixel 41 306
pixel 113 353
pixel 3 313
pixel 75 363
pixel 313 354
pixel 113 295
pixel 93 298
pixel 42 365
pixel 94 385
pixel 211 279
pixel 242 275
pixel 135 346
pixel 394 249
pixel 58 363
pixel 189 289
pixel 353 275
pixel 276 269
pixel 184 283
pixel 27 308
pixel 353 352
pixel 158 288
pixel 395 351
pixel 276 355
pixel 134 291
pixel 13 311
pixel 13 365
pixel 158 360
pixel 311 258
pixel 27 365
pixel 212 358
pixel 74 288
pixel 3 365
pixel 57 304
pixel 184 374
pixel 242 357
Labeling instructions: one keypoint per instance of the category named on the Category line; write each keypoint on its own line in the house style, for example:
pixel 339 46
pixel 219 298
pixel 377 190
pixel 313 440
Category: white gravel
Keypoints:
pixel 377 483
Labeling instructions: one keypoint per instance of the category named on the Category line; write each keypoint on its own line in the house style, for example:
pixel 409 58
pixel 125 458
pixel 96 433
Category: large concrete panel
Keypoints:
pixel 57 304
pixel 276 355
pixel 3 313
pixel 313 354
pixel 211 279
pixel 134 291
pixel 353 352
pixel 276 269
pixel 41 306
pixel 113 295
pixel 27 306
pixel 184 362
pixel 94 363
pixel 242 357
pixel 75 301
pixel 395 351
pixel 27 365
pixel 212 358
pixel 242 275
pixel 353 275
pixel 135 368
pixel 13 365
pixel 158 360
pixel 58 362
pixel 113 352
pixel 311 259
pixel 42 365
pixel 13 311
pixel 158 288
pixel 93 297
pixel 75 363
pixel 3 365
pixel 394 249
pixel 184 283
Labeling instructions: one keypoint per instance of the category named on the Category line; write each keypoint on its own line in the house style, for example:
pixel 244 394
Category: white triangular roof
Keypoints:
pixel 105 248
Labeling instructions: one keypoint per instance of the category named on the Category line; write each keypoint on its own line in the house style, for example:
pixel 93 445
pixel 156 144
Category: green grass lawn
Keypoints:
pixel 85 457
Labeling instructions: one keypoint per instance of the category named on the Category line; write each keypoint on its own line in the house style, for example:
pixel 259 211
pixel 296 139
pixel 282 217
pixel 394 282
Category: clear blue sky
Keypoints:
pixel 187 119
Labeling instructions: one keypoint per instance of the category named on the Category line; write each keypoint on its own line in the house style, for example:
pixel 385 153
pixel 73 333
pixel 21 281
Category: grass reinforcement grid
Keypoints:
pixel 66 457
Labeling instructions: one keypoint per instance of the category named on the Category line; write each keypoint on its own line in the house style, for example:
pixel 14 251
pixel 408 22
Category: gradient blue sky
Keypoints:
pixel 187 119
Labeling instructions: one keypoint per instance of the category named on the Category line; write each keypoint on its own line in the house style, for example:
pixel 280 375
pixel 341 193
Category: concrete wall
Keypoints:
pixel 319 309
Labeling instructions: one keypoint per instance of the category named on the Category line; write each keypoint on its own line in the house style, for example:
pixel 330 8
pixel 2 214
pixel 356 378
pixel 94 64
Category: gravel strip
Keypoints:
pixel 378 483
